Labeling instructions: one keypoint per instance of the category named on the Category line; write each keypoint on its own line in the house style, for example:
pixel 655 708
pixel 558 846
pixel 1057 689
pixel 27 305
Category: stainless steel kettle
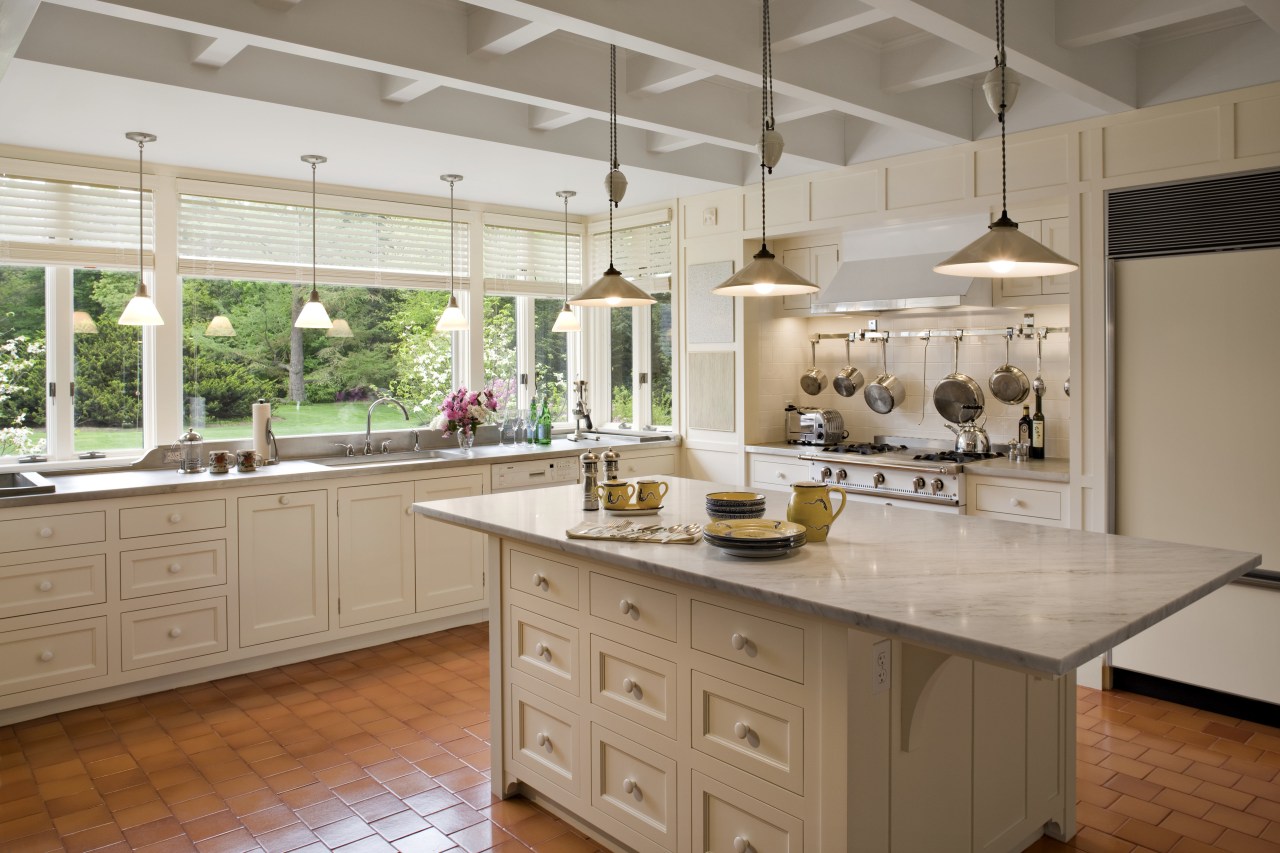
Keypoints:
pixel 970 438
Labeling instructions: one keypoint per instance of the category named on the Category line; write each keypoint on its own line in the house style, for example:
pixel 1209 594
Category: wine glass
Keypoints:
pixel 510 421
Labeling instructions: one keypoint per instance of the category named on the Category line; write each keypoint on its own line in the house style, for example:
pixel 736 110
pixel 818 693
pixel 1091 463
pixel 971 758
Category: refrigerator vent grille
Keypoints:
pixel 1217 215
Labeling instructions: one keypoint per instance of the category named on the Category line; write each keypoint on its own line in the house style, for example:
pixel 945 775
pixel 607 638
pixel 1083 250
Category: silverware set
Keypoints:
pixel 629 530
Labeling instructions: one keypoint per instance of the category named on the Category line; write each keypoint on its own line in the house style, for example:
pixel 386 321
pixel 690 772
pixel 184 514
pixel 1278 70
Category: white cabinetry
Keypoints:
pixel 816 263
pixel 1056 234
pixel 1031 501
pixel 776 472
pixel 645 462
pixel 284 566
pixel 375 552
pixel 450 561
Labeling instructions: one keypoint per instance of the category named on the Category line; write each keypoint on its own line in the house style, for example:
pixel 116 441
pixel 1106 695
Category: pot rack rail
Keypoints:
pixel 1022 331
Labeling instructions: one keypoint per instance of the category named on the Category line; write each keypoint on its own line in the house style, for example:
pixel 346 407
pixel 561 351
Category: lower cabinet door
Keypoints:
pixel 544 740
pixel 450 560
pixel 53 654
pixel 375 553
pixel 726 820
pixel 283 566
pixel 636 787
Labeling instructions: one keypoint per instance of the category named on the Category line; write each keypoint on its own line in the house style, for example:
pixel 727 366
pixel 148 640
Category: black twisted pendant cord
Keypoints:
pixel 1000 59
pixel 142 284
pixel 313 229
pixel 766 110
pixel 451 230
pixel 613 137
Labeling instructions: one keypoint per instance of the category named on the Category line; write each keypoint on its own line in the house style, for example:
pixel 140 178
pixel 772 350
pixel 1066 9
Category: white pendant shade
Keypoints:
pixel 340 329
pixel 611 290
pixel 765 276
pixel 567 321
pixel 82 323
pixel 452 320
pixel 220 327
pixel 1005 252
pixel 313 315
pixel 140 311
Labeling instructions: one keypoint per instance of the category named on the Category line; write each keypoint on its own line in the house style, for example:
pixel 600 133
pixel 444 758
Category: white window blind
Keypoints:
pixel 237 238
pixel 527 261
pixel 56 222
pixel 642 254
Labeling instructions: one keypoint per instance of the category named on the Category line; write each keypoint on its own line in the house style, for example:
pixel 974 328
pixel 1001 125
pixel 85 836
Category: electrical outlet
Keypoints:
pixel 880 666
pixel 709 216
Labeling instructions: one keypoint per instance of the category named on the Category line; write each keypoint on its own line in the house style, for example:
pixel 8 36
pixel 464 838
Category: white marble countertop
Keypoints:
pixel 1043 599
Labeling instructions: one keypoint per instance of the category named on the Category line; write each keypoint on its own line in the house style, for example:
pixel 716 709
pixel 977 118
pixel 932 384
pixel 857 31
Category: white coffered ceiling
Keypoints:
pixel 514 94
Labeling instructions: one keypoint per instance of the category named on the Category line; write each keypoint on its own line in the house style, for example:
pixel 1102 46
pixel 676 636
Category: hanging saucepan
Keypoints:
pixel 1008 383
pixel 887 392
pixel 957 397
pixel 814 381
pixel 848 380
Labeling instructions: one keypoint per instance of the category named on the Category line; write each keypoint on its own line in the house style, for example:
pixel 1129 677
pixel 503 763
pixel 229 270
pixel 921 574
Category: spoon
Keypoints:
pixel 1038 385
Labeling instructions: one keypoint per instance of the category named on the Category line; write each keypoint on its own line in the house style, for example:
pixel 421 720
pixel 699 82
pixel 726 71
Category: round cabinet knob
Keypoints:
pixel 540 580
pixel 629 786
pixel 46 532
pixel 46 655
pixel 542 651
pixel 628 685
pixel 175 632
pixel 175 568
pixel 45 586
pixel 544 740
pixel 740 844
pixel 741 730
pixel 408 510
pixel 284 500
pixel 738 641
pixel 625 607
pixel 918 484
pixel 1014 502
pixel 175 517
pixel 782 475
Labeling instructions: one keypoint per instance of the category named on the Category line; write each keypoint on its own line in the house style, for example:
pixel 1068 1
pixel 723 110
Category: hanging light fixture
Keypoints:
pixel 1004 251
pixel 611 290
pixel 313 315
pixel 220 327
pixel 140 311
pixel 340 329
pixel 452 320
pixel 765 275
pixel 82 323
pixel 566 320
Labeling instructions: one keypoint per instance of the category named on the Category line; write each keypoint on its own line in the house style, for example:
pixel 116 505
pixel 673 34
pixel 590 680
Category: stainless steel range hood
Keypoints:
pixel 895 284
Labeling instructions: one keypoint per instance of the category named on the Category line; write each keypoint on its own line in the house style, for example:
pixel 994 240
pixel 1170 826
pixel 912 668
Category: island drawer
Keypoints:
pixel 150 571
pixel 52 585
pixel 760 734
pixel 545 649
pixel 772 472
pixel 634 685
pixel 1018 500
pixel 723 815
pixel 172 518
pixel 634 605
pixel 635 786
pixel 547 580
pixel 745 638
pixel 175 632
pixel 544 739
pixel 53 654
pixel 50 531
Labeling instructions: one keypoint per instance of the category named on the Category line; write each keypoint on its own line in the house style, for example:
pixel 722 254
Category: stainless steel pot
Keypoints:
pixel 814 381
pixel 958 398
pixel 848 380
pixel 970 438
pixel 1008 383
pixel 887 392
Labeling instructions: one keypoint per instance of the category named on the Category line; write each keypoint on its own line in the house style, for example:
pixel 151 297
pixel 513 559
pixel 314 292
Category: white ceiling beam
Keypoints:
pixel 216 52
pixel 402 90
pixel 665 143
pixel 927 61
pixel 1104 75
pixel 542 118
pixel 1084 22
pixel 799 24
pixel 15 18
pixel 1267 10
pixel 648 75
pixel 492 33
pixel 788 109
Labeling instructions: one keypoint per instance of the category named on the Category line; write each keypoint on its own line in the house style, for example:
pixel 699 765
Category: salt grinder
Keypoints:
pixel 590 479
pixel 610 459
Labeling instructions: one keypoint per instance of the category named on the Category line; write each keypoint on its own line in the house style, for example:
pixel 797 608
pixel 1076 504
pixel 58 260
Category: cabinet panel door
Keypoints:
pixel 284 566
pixel 375 553
pixel 1056 234
pixel 1031 285
pixel 450 559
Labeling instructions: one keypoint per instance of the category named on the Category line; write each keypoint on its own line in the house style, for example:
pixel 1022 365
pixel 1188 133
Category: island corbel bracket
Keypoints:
pixel 918 675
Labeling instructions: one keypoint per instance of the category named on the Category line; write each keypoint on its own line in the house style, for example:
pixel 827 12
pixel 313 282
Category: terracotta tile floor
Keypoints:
pixel 388 749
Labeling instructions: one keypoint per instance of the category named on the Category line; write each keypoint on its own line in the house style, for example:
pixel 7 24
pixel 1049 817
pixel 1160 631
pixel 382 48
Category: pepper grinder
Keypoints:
pixel 590 479
pixel 610 458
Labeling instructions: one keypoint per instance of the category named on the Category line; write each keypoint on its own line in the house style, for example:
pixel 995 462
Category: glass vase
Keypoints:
pixel 466 440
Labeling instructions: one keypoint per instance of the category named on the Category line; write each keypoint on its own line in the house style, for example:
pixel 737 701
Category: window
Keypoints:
pixel 23 423
pixel 108 364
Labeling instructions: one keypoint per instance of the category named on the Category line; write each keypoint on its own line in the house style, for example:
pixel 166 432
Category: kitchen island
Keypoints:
pixel 907 685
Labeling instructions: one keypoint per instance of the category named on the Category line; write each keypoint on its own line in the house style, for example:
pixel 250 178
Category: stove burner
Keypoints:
pixel 864 449
pixel 955 456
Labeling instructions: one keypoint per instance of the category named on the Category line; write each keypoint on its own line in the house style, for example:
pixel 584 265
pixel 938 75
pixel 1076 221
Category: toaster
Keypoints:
pixel 808 425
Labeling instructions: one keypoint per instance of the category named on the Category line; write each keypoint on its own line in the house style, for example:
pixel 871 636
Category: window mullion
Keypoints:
pixel 641 413
pixel 525 365
pixel 59 354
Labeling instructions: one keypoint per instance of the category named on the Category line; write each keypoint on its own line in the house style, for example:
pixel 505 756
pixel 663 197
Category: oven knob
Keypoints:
pixel 826 473
pixel 842 475
pixel 877 479
pixel 937 485
pixel 918 484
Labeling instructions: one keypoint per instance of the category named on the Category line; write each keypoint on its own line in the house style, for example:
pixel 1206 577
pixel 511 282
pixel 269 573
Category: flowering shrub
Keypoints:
pixel 17 356
pixel 465 410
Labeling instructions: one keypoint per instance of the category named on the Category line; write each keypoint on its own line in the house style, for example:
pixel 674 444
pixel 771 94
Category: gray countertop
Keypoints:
pixel 1043 599
pixel 1046 470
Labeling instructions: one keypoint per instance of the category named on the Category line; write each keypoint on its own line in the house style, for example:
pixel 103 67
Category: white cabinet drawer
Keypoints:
pixel 768 471
pixel 634 685
pixel 52 585
pixel 635 786
pixel 653 466
pixel 726 821
pixel 53 654
pixel 545 649
pixel 764 644
pixel 1018 500
pixel 542 578
pixel 760 734
pixel 634 605
pixel 172 518
pixel 25 534
pixel 150 571
pixel 544 739
pixel 175 632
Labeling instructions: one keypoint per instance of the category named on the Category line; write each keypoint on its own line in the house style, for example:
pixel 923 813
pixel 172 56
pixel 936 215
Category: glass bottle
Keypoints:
pixel 1037 432
pixel 543 436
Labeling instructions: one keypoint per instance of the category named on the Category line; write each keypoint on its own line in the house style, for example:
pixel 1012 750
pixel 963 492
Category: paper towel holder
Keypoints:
pixel 272 457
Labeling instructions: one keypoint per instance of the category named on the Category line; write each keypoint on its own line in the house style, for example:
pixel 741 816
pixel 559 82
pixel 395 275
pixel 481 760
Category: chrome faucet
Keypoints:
pixel 368 423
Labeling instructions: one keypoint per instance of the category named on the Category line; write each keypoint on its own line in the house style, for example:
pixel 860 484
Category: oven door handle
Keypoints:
pixel 851 459
pixel 903 496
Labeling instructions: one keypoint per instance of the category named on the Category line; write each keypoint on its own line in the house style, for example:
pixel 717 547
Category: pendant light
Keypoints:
pixel 566 320
pixel 452 320
pixel 1004 251
pixel 313 315
pixel 220 327
pixel 140 311
pixel 765 275
pixel 611 290
pixel 82 323
pixel 340 329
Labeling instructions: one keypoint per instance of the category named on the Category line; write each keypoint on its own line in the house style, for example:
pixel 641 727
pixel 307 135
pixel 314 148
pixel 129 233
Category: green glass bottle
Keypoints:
pixel 543 434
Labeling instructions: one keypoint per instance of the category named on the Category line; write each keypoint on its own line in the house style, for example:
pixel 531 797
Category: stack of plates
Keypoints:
pixel 735 505
pixel 749 537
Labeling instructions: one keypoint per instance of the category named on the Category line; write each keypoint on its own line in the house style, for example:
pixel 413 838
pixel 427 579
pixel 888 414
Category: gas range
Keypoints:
pixel 924 477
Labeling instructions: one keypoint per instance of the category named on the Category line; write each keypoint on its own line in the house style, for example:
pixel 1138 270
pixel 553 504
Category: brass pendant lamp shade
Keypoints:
pixel 452 319
pixel 611 290
pixel 340 329
pixel 141 310
pixel 313 315
pixel 566 320
pixel 82 323
pixel 1004 251
pixel 766 275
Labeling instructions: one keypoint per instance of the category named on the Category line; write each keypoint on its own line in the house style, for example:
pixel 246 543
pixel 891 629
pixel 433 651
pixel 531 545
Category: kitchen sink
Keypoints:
pixel 398 458
pixel 13 484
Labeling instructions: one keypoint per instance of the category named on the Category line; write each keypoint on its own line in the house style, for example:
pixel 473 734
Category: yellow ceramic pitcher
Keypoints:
pixel 811 504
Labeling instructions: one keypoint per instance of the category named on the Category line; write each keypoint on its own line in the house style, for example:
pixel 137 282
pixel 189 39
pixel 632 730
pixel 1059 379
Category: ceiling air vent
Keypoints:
pixel 1216 215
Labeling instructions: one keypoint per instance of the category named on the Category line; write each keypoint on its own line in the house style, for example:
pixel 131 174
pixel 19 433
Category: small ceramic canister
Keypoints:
pixel 649 493
pixel 615 494
pixel 811 504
